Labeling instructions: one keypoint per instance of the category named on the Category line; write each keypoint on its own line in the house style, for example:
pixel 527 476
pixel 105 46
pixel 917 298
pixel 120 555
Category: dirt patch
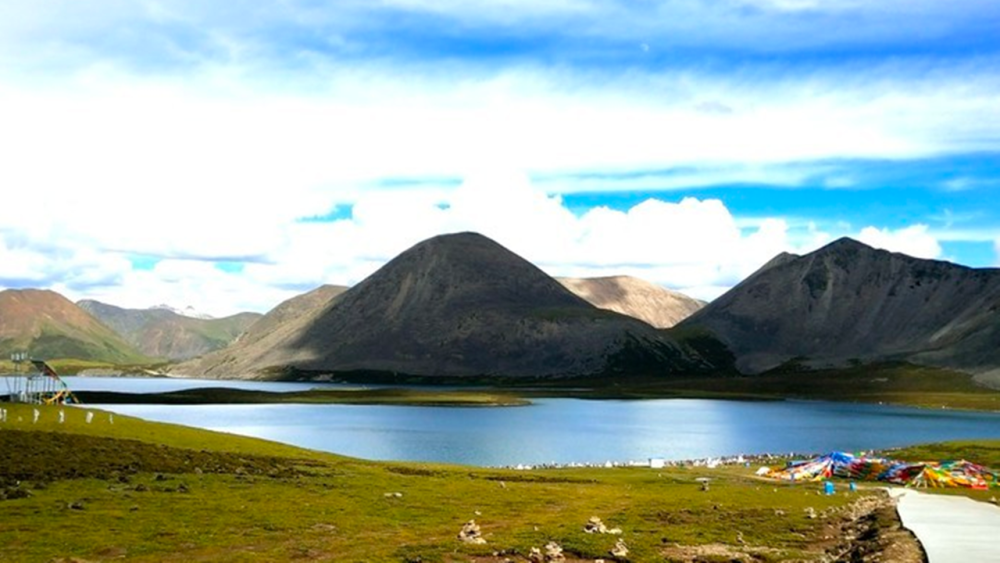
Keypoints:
pixel 866 531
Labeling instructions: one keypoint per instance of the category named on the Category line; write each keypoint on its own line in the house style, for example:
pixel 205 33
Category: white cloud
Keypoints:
pixel 693 245
pixel 915 240
pixel 218 165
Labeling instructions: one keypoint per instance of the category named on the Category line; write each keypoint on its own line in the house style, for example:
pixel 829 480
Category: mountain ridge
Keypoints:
pixel 49 326
pixel 651 303
pixel 162 332
pixel 848 302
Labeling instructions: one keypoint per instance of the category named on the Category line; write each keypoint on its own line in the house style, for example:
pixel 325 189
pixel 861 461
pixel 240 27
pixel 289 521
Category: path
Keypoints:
pixel 951 528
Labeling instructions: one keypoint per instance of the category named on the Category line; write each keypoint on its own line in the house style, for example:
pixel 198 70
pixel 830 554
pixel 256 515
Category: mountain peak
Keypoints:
pixel 456 305
pixel 845 245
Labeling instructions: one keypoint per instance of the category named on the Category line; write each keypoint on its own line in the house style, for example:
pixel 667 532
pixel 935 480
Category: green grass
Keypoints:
pixel 181 494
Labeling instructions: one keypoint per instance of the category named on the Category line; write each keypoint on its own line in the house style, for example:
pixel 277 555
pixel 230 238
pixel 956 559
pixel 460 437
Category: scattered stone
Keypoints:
pixel 182 488
pixel 779 512
pixel 133 508
pixel 535 555
pixel 140 488
pixel 160 477
pixel 620 549
pixel 811 513
pixel 993 500
pixel 739 538
pixel 470 533
pixel 393 495
pixel 554 552
pixel 77 505
pixel 595 526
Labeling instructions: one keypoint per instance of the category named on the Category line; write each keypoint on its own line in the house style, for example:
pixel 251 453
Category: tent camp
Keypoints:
pixel 959 473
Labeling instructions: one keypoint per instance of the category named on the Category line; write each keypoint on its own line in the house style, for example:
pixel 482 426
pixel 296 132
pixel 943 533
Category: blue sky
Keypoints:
pixel 228 155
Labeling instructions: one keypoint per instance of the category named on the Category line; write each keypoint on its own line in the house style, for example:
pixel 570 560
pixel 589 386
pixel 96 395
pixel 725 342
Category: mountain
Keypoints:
pixel 456 305
pixel 268 333
pixel 161 332
pixel 47 325
pixel 654 304
pixel 849 303
pixel 188 311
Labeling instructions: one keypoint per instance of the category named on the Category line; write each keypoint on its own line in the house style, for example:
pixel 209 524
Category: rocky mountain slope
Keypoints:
pixel 161 332
pixel 46 325
pixel 848 302
pixel 456 305
pixel 654 304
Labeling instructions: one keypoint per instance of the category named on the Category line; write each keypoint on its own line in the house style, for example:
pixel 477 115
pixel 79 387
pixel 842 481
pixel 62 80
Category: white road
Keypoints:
pixel 951 528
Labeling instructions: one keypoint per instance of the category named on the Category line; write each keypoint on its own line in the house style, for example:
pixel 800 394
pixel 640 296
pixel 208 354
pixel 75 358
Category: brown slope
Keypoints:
pixel 462 305
pixel 648 302
pixel 47 325
pixel 163 333
pixel 848 301
pixel 264 342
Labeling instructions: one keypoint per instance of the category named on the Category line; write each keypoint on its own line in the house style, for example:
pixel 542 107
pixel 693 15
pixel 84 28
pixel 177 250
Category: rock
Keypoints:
pixel 77 505
pixel 535 555
pixel 595 526
pixel 470 533
pixel 620 549
pixel 553 552
pixel 811 513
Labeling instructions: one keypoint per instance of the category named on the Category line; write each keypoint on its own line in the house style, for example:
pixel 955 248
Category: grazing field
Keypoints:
pixel 122 488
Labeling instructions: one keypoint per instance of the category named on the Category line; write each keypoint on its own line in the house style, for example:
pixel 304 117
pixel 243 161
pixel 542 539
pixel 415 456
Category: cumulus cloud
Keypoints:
pixel 693 245
pixel 915 240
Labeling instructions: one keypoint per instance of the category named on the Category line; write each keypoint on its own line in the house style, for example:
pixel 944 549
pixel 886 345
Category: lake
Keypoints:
pixel 560 430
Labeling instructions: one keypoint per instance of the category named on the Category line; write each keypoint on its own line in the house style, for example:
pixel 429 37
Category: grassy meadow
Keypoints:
pixel 120 488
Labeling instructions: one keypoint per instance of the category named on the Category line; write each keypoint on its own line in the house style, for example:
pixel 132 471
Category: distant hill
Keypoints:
pixel 849 303
pixel 456 305
pixel 162 332
pixel 48 326
pixel 654 304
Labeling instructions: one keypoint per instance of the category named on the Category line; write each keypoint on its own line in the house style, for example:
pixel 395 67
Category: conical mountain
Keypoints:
pixel 849 302
pixel 161 332
pixel 462 305
pixel 46 325
pixel 646 301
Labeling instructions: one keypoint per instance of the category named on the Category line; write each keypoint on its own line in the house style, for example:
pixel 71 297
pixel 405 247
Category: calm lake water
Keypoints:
pixel 560 430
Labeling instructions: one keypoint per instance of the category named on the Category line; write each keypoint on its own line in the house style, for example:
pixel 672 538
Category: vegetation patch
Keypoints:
pixel 254 500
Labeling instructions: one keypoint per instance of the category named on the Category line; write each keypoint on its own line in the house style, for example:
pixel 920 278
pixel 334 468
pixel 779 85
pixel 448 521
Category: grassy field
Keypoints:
pixel 122 488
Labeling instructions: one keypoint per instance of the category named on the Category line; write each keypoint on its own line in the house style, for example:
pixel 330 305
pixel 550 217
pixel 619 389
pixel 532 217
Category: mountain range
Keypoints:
pixel 163 332
pixel 462 305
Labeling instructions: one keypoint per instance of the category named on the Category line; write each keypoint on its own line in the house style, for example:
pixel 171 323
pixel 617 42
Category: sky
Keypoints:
pixel 229 155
